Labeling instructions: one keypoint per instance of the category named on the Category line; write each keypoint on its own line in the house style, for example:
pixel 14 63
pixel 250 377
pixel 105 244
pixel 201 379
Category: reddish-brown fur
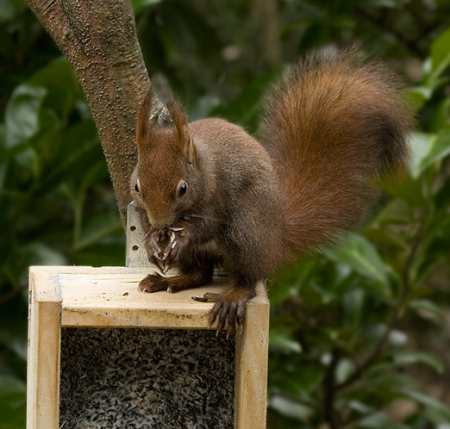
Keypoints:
pixel 330 127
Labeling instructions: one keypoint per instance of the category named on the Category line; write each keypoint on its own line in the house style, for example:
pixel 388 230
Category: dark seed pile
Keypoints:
pixel 143 379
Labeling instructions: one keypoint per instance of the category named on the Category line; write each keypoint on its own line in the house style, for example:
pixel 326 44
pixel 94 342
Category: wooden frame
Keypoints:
pixel 109 297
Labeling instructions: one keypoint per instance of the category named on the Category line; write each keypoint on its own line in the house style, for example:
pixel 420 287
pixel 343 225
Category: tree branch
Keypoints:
pixel 395 316
pixel 329 392
pixel 99 40
pixel 373 356
pixel 266 17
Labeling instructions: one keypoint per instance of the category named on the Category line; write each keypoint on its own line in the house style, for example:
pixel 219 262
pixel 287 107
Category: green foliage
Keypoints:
pixel 359 336
pixel 358 326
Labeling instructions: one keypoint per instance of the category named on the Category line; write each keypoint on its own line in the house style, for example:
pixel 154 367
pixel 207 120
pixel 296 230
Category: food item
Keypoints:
pixel 162 246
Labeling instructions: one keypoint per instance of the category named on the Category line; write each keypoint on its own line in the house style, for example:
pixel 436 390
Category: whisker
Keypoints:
pixel 202 217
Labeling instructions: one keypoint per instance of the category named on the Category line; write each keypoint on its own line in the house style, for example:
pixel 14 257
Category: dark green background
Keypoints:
pixel 378 300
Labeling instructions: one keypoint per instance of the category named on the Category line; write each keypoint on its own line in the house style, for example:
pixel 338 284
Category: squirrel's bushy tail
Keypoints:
pixel 331 126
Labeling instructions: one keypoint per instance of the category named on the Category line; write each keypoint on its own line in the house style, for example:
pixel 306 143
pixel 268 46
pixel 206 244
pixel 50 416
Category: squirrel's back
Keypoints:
pixel 331 126
pixel 236 162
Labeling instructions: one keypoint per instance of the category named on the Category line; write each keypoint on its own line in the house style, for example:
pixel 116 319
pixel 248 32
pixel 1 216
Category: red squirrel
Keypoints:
pixel 213 194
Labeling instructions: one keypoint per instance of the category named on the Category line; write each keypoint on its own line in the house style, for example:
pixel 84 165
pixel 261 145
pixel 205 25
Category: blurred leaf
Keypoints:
pixel 360 407
pixel 440 148
pixel 379 420
pixel 361 256
pixel 138 5
pixel 61 85
pixel 384 3
pixel 13 335
pixel 309 376
pixel 78 148
pixel 290 408
pixel 42 254
pixel 418 96
pixel 245 108
pixel 108 252
pixel 344 369
pixel 427 401
pixel 282 342
pixel 290 279
pixel 97 228
pixel 420 145
pixel 353 302
pixel 440 54
pixel 22 114
pixel 441 117
pixel 3 157
pixel 397 212
pixel 413 358
pixel 398 338
pixel 428 309
pixel 10 8
pixel 12 402
pixel 204 106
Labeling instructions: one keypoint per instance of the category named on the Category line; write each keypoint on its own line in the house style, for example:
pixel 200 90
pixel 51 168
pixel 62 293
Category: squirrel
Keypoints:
pixel 215 195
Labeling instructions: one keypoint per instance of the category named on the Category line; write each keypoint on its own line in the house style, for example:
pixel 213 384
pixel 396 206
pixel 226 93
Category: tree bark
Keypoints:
pixel 266 16
pixel 99 40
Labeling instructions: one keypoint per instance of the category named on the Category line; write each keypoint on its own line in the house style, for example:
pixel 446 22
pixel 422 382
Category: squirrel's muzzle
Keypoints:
pixel 160 221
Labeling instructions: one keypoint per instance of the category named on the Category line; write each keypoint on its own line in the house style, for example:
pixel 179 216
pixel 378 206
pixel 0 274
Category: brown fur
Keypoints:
pixel 331 127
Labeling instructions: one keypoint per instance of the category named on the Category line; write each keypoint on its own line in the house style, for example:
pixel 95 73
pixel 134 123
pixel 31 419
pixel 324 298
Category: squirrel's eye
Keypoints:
pixel 182 188
pixel 137 186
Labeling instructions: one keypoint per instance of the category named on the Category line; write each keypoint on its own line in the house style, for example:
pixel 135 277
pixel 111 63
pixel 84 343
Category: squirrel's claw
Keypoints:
pixel 207 297
pixel 228 312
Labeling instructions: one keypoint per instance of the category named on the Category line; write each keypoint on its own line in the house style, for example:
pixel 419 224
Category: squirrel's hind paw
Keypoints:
pixel 228 312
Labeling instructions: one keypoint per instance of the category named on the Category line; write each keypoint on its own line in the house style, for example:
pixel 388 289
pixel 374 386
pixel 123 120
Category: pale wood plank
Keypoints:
pixel 252 366
pixel 43 352
pixel 109 298
pixel 31 356
pixel 48 365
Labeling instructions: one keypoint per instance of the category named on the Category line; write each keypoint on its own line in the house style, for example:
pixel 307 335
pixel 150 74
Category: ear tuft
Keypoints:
pixel 179 119
pixel 181 125
pixel 142 127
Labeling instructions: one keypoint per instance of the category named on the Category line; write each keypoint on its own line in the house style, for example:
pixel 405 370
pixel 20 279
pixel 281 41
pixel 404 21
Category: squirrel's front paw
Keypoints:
pixel 153 283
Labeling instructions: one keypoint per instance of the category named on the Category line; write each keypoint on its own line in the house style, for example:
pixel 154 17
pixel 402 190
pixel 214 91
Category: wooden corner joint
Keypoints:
pixel 43 284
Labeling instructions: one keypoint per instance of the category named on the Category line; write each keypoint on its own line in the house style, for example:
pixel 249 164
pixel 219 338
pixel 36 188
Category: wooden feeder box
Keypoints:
pixel 102 354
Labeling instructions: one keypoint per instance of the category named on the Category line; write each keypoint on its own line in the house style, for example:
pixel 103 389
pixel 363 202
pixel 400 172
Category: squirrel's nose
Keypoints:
pixel 160 221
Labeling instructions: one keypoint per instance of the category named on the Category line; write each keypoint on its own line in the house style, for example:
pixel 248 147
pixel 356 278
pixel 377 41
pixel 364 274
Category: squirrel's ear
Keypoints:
pixel 142 127
pixel 184 139
pixel 191 152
